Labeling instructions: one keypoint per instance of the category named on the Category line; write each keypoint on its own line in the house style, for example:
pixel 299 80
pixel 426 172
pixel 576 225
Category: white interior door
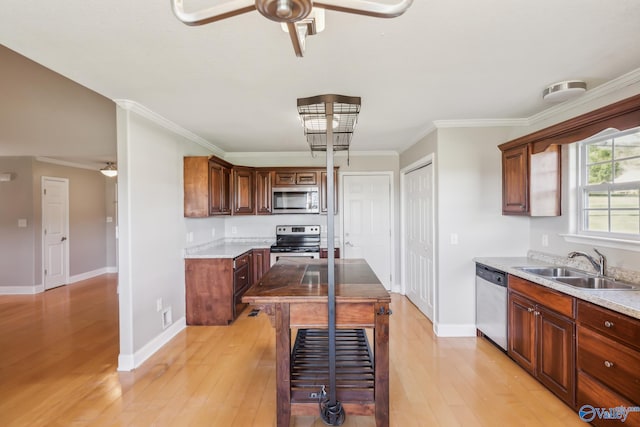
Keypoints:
pixel 419 226
pixel 55 227
pixel 367 222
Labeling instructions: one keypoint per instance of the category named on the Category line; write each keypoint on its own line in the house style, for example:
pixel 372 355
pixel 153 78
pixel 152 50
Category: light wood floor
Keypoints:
pixel 58 359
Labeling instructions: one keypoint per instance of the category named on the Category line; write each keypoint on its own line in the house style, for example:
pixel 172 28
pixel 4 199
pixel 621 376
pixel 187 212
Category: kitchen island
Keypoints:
pixel 294 295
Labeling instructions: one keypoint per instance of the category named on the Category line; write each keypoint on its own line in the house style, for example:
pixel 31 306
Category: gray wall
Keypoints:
pixel 20 198
pixel 17 246
pixel 45 114
pixel 467 168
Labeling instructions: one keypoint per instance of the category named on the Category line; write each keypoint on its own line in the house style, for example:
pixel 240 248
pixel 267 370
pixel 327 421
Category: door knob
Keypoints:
pixel 63 239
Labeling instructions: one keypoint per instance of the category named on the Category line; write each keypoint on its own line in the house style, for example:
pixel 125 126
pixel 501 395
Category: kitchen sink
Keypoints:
pixel 579 279
pixel 596 283
pixel 554 271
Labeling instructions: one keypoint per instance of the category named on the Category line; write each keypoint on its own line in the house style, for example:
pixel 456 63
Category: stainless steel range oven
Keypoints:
pixel 296 241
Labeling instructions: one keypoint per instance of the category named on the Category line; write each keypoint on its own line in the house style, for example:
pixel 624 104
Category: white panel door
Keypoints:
pixel 367 222
pixel 419 252
pixel 55 223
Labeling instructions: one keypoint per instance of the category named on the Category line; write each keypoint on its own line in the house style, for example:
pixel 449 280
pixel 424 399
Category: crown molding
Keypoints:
pixel 67 163
pixel 479 123
pixel 277 154
pixel 167 124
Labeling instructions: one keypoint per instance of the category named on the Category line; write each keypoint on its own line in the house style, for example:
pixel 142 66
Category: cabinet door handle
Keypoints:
pixel 536 313
pixel 530 310
pixel 608 324
pixel 608 364
pixel 243 277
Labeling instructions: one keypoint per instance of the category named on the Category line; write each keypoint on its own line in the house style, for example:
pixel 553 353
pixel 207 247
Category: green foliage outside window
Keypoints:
pixel 599 173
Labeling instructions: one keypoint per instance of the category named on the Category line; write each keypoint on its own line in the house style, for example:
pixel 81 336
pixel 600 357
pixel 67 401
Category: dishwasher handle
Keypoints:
pixel 491 275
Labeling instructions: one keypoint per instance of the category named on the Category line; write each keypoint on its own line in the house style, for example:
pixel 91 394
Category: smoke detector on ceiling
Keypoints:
pixel 564 91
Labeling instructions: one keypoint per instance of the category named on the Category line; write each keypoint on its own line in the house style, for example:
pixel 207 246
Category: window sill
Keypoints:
pixel 627 245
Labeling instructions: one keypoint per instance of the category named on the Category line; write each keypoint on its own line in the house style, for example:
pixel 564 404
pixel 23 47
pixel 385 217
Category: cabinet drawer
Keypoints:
pixel 556 301
pixel 241 261
pixel 592 392
pixel 610 362
pixel 306 178
pixel 241 279
pixel 285 178
pixel 607 322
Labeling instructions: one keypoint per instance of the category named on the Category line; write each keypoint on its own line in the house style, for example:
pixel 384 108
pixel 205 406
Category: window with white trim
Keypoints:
pixel 609 185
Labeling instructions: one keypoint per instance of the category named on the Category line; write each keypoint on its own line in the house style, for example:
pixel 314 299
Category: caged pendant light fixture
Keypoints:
pixel 297 15
pixel 339 110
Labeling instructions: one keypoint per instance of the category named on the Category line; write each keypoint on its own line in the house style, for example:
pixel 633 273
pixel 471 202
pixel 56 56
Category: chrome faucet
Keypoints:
pixel 600 265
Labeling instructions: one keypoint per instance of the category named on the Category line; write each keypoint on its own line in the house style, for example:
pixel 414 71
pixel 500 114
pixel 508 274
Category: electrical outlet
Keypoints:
pixel 545 240
pixel 234 230
pixel 213 232
pixel 454 238
pixel 159 304
pixel 109 219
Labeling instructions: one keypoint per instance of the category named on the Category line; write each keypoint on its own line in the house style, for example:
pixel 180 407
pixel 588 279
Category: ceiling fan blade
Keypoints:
pixel 211 14
pixel 366 7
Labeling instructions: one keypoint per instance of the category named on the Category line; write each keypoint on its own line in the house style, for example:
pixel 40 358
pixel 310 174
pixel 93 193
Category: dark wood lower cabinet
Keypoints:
pixel 542 341
pixel 209 291
pixel 261 263
pixel 215 287
pixel 608 363
pixel 555 367
pixel 324 253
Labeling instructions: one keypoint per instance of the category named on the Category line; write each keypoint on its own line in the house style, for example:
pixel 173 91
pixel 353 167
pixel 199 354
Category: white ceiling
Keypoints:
pixel 235 82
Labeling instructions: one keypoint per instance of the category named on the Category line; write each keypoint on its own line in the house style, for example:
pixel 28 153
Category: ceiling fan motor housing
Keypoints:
pixel 284 10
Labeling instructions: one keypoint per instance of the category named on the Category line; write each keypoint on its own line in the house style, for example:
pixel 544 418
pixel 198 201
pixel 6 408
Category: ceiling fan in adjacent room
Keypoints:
pixel 301 18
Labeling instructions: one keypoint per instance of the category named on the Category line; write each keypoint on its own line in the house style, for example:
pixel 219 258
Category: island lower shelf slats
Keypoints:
pixel 355 375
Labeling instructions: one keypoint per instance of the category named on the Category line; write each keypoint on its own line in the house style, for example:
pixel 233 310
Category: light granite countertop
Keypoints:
pixel 226 248
pixel 625 302
pixel 232 248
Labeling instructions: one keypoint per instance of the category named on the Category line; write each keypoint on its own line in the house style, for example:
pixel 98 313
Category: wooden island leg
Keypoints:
pixel 283 364
pixel 381 358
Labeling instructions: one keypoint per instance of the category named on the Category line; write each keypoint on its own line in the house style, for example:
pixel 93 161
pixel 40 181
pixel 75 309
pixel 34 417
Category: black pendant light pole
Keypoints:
pixel 329 121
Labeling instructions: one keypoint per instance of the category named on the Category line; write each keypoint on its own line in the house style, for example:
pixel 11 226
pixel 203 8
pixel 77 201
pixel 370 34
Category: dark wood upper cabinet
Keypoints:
pixel 207 186
pixel 531 164
pixel 196 187
pixel 219 187
pixel 531 182
pixel 263 192
pixel 295 176
pixel 243 191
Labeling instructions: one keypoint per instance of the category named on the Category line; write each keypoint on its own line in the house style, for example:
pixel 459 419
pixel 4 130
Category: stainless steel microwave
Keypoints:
pixel 298 199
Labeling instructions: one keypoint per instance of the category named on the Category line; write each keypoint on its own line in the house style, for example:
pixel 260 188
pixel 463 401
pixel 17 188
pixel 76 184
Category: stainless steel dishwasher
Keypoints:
pixel 491 304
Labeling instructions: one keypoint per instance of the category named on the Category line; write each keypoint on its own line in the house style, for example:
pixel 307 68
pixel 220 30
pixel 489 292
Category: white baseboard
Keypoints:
pixel 36 289
pixel 90 274
pixel 454 330
pixel 21 290
pixel 129 362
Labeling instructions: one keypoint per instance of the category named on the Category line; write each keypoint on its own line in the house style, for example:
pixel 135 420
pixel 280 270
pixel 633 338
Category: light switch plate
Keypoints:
pixel 22 223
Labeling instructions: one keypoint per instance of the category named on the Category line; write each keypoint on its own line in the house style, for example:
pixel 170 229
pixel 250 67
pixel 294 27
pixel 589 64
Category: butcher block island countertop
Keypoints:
pixel 293 293
pixel 306 279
